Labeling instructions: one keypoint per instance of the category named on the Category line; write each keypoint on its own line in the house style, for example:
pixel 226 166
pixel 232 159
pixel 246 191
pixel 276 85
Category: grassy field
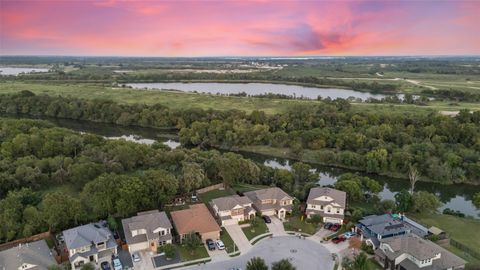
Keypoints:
pixel 185 254
pixel 247 187
pixel 259 228
pixel 294 223
pixel 463 230
pixel 176 99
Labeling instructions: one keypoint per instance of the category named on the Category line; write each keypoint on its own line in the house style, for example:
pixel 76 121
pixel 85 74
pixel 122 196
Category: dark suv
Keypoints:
pixel 210 244
pixel 267 219
pixel 105 266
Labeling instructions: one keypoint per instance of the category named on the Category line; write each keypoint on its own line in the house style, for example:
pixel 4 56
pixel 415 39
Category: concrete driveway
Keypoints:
pixel 217 255
pixel 303 254
pixel 238 237
pixel 145 260
pixel 276 227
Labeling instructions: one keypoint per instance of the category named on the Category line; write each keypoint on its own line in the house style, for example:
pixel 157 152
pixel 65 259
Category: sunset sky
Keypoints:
pixel 235 28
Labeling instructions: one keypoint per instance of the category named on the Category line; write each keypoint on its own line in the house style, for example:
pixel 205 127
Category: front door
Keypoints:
pixel 281 214
pixel 92 258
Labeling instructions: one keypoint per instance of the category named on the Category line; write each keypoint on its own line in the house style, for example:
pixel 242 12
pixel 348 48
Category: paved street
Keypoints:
pixel 304 254
pixel 238 237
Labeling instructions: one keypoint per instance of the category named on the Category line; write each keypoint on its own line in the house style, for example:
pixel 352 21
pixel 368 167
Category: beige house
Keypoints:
pixel 232 209
pixel 196 219
pixel 328 203
pixel 271 201
pixel 147 230
pixel 411 252
pixel 88 243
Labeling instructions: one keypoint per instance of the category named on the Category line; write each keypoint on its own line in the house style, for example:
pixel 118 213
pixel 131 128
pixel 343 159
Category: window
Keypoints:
pixel 162 232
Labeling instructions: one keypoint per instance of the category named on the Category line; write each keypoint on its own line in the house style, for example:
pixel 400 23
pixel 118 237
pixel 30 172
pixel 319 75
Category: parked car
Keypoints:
pixel 194 198
pixel 338 239
pixel 220 244
pixel 105 266
pixel 117 265
pixel 267 219
pixel 349 235
pixel 136 257
pixel 327 225
pixel 210 244
pixel 60 238
pixel 335 227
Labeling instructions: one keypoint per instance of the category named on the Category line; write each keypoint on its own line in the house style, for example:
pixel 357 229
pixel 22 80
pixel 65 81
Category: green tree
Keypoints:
pixel 425 202
pixel 256 263
pixel 193 176
pixel 403 201
pixel 169 251
pixel 192 242
pixel 283 265
pixel 87 266
pixel 476 199
pixel 61 210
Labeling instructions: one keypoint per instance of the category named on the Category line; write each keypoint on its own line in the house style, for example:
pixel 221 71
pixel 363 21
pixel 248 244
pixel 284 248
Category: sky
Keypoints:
pixel 239 27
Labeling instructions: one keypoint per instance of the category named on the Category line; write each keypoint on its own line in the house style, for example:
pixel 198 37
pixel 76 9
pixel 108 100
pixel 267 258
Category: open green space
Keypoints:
pixel 246 187
pixel 216 193
pixel 177 99
pixel 187 255
pixel 296 224
pixel 463 230
pixel 257 228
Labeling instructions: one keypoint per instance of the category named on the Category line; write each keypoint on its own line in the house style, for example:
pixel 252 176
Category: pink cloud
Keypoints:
pixel 187 28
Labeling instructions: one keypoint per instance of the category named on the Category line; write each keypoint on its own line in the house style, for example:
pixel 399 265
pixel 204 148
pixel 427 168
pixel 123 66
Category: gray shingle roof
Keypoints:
pixel 421 249
pixel 150 221
pixel 267 193
pixel 35 253
pixel 84 235
pixel 339 197
pixel 229 202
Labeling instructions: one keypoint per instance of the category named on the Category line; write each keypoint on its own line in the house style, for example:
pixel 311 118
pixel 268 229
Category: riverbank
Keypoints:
pixel 308 156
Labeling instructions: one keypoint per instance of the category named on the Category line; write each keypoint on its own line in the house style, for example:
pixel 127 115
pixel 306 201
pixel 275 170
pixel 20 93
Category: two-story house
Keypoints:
pixel 374 228
pixel 232 209
pixel 88 243
pixel 147 230
pixel 410 252
pixel 328 203
pixel 271 201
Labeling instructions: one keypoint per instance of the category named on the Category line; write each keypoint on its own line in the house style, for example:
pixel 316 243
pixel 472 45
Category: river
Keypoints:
pixel 18 70
pixel 258 89
pixel 456 197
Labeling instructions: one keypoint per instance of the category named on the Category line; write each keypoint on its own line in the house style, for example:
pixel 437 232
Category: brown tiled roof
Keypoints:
pixel 197 219
pixel 267 193
pixel 149 221
pixel 339 197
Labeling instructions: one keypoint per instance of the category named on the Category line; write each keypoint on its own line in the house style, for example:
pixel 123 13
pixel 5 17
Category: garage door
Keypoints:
pixel 210 235
pixel 268 213
pixel 229 222
pixel 136 247
pixel 332 220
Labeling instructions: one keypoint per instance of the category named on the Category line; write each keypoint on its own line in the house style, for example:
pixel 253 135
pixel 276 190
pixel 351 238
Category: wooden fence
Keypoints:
pixel 25 240
pixel 210 188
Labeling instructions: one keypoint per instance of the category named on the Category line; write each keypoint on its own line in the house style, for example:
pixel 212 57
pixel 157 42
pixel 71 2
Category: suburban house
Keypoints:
pixel 328 203
pixel 232 209
pixel 34 255
pixel 147 230
pixel 88 243
pixel 196 219
pixel 377 227
pixel 410 252
pixel 271 201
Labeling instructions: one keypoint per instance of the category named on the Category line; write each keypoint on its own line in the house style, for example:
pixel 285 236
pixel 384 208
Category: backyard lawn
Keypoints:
pixel 294 223
pixel 247 187
pixel 227 240
pixel 462 230
pixel 258 228
pixel 213 194
pixel 186 255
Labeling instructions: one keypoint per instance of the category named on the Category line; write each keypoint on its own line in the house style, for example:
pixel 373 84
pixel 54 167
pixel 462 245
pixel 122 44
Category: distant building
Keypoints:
pixel 88 243
pixel 30 256
pixel 328 203
pixel 410 252
pixel 147 230
pixel 196 219
pixel 271 201
pixel 232 209
pixel 377 227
